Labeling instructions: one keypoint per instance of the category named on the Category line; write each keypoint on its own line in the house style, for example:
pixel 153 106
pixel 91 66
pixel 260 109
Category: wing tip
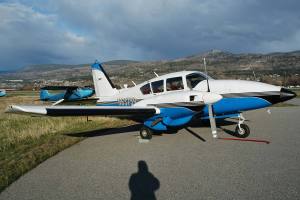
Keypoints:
pixel 25 109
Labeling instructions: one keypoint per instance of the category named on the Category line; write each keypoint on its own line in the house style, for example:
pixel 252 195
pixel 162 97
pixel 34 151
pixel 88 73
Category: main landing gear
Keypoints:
pixel 242 130
pixel 145 133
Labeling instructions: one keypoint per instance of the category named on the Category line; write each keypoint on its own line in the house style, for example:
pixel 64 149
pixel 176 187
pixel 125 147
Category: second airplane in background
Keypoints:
pixel 69 93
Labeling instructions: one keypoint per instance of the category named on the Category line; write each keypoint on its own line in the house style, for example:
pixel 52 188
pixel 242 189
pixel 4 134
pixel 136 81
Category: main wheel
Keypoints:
pixel 242 132
pixel 145 133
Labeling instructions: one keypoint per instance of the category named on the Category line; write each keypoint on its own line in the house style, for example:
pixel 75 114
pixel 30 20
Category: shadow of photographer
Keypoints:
pixel 143 184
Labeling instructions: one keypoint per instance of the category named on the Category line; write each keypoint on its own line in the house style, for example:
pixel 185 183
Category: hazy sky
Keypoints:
pixel 80 31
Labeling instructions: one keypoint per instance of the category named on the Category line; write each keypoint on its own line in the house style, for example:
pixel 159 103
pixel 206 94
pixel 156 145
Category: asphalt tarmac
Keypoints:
pixel 115 164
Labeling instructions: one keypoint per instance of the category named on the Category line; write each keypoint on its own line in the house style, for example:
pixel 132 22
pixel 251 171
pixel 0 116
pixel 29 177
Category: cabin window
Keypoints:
pixel 146 89
pixel 175 84
pixel 157 86
pixel 193 79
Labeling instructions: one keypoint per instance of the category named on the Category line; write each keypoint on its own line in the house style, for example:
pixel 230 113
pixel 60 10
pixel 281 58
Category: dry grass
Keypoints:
pixel 27 141
pixel 297 91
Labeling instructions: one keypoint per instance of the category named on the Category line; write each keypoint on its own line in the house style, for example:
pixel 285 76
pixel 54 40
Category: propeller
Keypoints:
pixel 211 113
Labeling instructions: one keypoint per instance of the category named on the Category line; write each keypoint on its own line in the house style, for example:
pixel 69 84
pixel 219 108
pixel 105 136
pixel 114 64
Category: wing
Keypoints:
pixel 59 88
pixel 145 111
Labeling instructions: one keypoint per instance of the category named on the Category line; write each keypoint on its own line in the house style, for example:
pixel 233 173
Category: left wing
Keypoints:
pixel 84 110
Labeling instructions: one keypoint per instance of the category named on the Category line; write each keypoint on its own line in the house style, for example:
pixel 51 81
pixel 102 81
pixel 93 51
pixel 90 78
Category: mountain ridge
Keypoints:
pixel 222 64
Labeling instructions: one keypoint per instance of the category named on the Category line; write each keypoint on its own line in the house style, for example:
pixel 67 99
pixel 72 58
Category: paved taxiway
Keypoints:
pixel 187 166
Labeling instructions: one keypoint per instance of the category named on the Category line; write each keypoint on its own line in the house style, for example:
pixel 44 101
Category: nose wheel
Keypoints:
pixel 242 130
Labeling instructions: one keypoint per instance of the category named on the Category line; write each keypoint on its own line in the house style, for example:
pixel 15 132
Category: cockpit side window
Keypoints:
pixel 145 89
pixel 175 84
pixel 193 79
pixel 157 86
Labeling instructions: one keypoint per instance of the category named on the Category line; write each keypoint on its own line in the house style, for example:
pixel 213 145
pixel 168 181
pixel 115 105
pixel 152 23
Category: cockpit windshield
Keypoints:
pixel 195 78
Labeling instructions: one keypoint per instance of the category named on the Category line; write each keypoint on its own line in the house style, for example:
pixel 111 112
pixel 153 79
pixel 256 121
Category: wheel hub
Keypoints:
pixel 144 133
pixel 241 131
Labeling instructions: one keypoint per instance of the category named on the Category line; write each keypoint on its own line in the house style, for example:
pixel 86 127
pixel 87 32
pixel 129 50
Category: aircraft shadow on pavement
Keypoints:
pixel 221 123
pixel 106 131
pixel 137 127
pixel 230 132
pixel 206 123
pixel 143 183
pixel 195 134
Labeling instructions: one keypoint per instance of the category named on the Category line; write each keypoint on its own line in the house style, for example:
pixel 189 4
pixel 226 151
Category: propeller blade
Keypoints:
pixel 212 121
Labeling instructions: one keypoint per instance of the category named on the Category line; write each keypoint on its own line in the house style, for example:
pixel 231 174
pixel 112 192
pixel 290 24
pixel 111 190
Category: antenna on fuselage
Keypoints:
pixel 251 68
pixel 254 75
pixel 156 74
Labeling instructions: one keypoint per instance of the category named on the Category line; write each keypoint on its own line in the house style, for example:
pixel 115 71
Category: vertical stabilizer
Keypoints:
pixel 44 95
pixel 103 85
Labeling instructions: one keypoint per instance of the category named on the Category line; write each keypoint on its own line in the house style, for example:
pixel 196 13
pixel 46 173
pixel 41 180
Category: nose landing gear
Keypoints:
pixel 242 130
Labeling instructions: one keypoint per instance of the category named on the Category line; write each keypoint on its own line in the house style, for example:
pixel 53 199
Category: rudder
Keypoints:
pixel 103 85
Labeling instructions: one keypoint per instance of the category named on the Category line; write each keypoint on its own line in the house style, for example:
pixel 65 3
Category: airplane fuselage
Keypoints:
pixel 238 95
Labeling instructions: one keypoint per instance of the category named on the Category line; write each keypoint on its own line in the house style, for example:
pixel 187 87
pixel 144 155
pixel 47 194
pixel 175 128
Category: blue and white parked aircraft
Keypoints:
pixel 2 93
pixel 172 101
pixel 70 93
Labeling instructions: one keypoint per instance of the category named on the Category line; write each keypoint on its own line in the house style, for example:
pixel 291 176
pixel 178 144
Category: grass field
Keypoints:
pixel 297 91
pixel 26 141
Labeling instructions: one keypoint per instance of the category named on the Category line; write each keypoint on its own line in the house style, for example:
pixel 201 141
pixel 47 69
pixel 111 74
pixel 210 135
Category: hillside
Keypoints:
pixel 274 67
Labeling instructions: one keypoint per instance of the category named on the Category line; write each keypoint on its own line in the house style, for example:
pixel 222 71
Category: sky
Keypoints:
pixel 81 31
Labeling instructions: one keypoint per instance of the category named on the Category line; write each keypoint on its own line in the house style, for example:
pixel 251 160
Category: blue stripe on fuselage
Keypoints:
pixel 236 105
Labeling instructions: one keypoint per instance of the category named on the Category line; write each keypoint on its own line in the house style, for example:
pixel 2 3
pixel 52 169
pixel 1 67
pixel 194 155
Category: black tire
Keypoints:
pixel 145 133
pixel 244 132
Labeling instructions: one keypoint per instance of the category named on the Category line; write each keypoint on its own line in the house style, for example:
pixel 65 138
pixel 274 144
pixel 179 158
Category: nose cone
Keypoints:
pixel 286 94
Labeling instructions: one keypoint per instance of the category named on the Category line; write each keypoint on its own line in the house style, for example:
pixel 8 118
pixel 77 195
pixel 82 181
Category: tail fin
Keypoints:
pixel 44 95
pixel 103 85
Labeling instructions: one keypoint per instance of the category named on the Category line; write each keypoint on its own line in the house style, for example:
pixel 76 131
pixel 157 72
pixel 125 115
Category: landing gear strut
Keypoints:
pixel 242 130
pixel 145 133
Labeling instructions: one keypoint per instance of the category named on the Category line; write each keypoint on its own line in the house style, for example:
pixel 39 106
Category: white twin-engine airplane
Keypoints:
pixel 171 101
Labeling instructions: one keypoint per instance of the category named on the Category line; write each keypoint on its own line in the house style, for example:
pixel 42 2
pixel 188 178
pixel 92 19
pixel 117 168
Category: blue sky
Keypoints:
pixel 78 31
